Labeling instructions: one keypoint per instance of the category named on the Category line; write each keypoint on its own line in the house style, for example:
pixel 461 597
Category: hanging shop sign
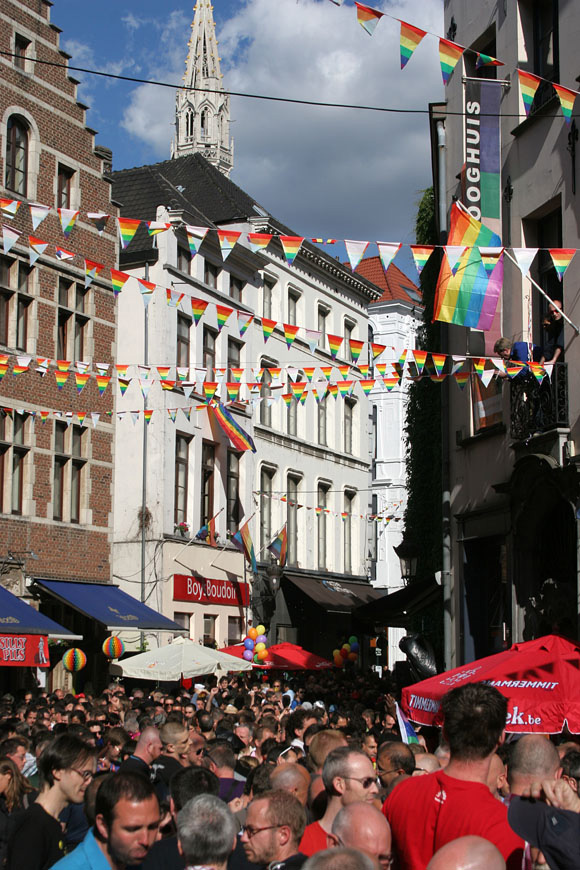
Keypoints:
pixel 200 590
pixel 23 650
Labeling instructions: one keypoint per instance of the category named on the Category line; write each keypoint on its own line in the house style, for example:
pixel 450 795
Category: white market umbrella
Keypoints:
pixel 182 658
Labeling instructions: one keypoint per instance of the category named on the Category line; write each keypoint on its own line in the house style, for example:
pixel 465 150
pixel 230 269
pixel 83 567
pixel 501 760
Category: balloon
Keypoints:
pixel 338 661
pixel 353 639
pixel 261 629
pixel 248 655
pixel 263 654
pixel 343 653
pixel 259 647
pixel 256 659
pixel 253 633
pixel 249 643
pixel 74 660
pixel 113 647
pixel 335 653
pixel 261 638
pixel 354 647
pixel 352 657
pixel 346 646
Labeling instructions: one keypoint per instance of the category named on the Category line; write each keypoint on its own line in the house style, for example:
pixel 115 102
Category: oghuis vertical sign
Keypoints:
pixel 481 193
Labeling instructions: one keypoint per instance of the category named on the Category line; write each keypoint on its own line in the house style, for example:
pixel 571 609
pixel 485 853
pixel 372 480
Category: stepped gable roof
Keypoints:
pixel 394 283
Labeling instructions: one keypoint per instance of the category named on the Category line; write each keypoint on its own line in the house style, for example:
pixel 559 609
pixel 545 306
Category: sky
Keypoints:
pixel 325 172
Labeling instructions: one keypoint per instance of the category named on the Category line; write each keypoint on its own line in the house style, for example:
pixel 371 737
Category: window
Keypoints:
pixel 4 448
pixel 72 322
pixel 183 259
pixel 322 415
pixel 348 331
pixel 347 531
pixel 546 51
pixel 293 299
pixel 322 320
pixel 234 356
pixel 19 453
pixel 189 124
pixel 22 307
pixel 183 328
pixel 268 293
pixel 349 406
pixel 182 619
pixel 63 186
pixel 236 288
pixel 21 48
pixel 234 629
pixel 321 520
pixel 207 482
pixel 209 621
pixel 60 463
pixel 292 520
pixel 5 297
pixel 234 507
pixel 77 465
pixel 292 412
pixel 181 474
pixel 374 536
pixel 208 361
pixel 68 471
pixel 266 481
pixel 265 406
pixel 210 274
pixel 17 155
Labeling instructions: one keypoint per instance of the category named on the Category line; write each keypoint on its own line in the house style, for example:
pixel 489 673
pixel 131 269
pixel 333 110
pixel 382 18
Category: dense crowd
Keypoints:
pixel 277 773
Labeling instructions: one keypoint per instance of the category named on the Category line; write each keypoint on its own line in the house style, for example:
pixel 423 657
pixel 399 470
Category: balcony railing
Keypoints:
pixel 536 408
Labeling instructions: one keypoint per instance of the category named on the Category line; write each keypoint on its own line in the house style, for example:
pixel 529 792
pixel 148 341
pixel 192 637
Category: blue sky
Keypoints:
pixel 325 172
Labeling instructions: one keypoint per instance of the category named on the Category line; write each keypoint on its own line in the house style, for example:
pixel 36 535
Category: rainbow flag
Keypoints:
pixel 469 297
pixel 81 381
pixel 290 333
pixel 298 389
pixel 244 321
pixel 390 382
pixel 421 254
pixel 44 416
pixel 408 734
pixel 403 357
pixel 195 236
pixel 37 248
pixel 381 368
pixel 61 379
pixel 172 414
pixel 127 229
pixel 118 280
pixel 529 84
pixel 291 246
pixel 68 218
pixel 147 289
pixel 388 252
pixel 279 545
pixel 367 17
pixel 156 227
pixel 163 372
pixel 121 369
pixel 333 390
pixel 367 385
pixel 81 415
pixel 20 367
pixel 259 241
pixel 438 360
pixel 59 253
pixel 207 533
pixel 561 258
pixel 566 98
pixel 242 540
pixel 355 252
pixel 309 372
pixel 123 384
pixel 324 241
pixel 344 371
pixel 410 38
pixel 222 314
pixel 237 375
pixel 420 357
pixel 356 347
pixel 102 383
pixel 287 397
pixel 3 369
pixel 209 389
pixel 9 207
pixel 461 378
pixel 326 371
pixel 198 307
pixel 334 343
pixel 233 388
pixel 268 327
pixel 147 414
pixel 92 270
pixel 449 54
pixel 364 369
pixel 486 60
pixel 303 397
pixel 227 240
pixel 238 436
pixel 345 388
pixel 377 349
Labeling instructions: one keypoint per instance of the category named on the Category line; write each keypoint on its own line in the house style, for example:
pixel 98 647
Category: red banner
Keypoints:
pixel 200 590
pixel 23 650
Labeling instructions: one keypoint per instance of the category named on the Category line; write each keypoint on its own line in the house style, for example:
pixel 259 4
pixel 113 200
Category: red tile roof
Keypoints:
pixel 394 283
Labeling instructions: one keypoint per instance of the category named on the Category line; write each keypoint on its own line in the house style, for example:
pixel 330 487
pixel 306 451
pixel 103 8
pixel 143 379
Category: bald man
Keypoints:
pixel 293 778
pixel 533 758
pixel 426 763
pixel 467 853
pixel 497 777
pixel 147 751
pixel 363 827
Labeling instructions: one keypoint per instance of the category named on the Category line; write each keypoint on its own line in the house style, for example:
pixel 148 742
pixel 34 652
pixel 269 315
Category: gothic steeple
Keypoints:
pixel 202 116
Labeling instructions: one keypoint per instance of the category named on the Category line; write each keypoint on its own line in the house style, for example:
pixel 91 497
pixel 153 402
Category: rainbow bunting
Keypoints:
pixel 198 307
pixel 287 398
pixel 290 333
pixel 123 384
pixel 355 252
pixel 147 289
pixel 63 254
pixel 309 372
pixel 278 546
pixel 172 414
pixel 421 254
pixel 367 385
pixel 244 321
pixel 390 382
pixel 486 60
pixel 438 378
pixel 63 365
pixel 356 347
pixel 68 218
pixel 222 314
pixel 344 371
pixel 420 357
pixel 20 368
pixel 402 358
pixel 268 327
pixel 195 237
pixel 92 270
pixel 209 389
pixel 227 240
pixel 333 390
pixel 345 387
pixel 566 98
pixel 168 385
pixel 61 379
pixel 38 213
pixel 242 540
pixel 438 360
pixel 233 389
pixel 303 397
pixel 381 368
pixel 81 415
pixel 323 241
pixel 81 381
pixel 479 366
pixel 9 207
pixel 127 229
pixel 156 227
pixel 334 343
pixel 37 248
pixel 163 372
pixel 326 371
pixel 449 54
pixel 388 251
pixel 298 389
pixel 99 220
pixel 377 349
pixel 237 375
pixel 367 17
pixel 238 437
pixel 147 414
pixel 118 280
pixel 121 369
pixel 102 383
pixel 561 258
pixel 490 258
pixel 513 368
pixel 469 297
pixel 174 297
pixel 3 369
pixel 461 378
pixel 410 38
pixel 529 84
pixel 44 416
pixel 291 246
pixel 259 241
pixel 364 369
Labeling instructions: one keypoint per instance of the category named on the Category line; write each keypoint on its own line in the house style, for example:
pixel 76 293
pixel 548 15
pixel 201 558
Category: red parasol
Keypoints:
pixel 540 679
pixel 286 657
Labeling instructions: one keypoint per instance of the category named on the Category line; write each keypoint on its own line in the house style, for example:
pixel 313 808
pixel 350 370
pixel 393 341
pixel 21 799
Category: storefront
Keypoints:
pixel 215 611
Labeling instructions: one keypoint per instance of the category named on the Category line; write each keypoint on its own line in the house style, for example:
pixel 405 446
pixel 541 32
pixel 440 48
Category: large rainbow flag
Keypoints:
pixel 469 297
pixel 238 436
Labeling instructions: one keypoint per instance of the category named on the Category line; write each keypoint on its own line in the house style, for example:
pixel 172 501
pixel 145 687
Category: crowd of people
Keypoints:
pixel 245 772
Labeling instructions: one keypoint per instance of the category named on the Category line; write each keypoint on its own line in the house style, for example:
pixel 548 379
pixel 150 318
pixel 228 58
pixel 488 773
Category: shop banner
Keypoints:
pixel 23 650
pixel 200 590
pixel 481 182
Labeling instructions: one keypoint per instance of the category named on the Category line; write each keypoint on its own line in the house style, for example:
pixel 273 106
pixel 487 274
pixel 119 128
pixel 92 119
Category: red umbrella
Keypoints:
pixel 286 657
pixel 540 679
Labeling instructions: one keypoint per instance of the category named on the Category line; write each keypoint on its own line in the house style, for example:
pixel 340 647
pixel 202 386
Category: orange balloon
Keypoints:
pixel 338 661
pixel 253 633
pixel 352 657
pixel 263 654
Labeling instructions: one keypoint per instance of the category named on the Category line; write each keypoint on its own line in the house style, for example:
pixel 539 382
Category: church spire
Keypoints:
pixel 202 116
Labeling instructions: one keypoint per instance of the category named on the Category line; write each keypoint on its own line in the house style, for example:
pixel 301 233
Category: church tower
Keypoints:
pixel 202 116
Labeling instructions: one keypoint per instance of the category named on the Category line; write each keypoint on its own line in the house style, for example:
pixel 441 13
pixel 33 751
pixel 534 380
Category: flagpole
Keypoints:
pixel 543 292
pixel 191 540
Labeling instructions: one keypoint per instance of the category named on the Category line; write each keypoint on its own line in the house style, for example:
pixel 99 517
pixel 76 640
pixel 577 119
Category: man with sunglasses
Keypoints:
pixel 348 777
pixel 394 759
pixel 274 826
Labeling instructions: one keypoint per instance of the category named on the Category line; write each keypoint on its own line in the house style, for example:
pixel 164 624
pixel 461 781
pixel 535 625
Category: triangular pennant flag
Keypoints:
pixel 198 307
pixel 367 384
pixel 490 257
pixel 334 343
pixel 81 381
pixel 538 371
pixel 421 254
pixel 312 338
pixel 259 241
pixel 461 378
pixel 42 366
pixel 227 240
pixel 458 362
pixel 95 415
pixel 529 84
pixel 298 389
pixel 163 372
pixel 9 238
pixel 38 213
pixel 63 254
pixel 420 357
pixel 148 413
pixel 187 413
pixel 367 17
pixel 147 289
pixel 268 327
pixel 486 60
pixel 81 417
pixel 333 390
pixel 561 258
pixel 355 252
pixel 92 270
pixel 566 98
pixel 233 389
pixel 524 258
pixel 118 280
pixel 324 241
pixel 156 227
pixel 454 254
pixel 479 366
pixel 102 383
pixel 486 376
pixel 99 220
pixel 344 371
pixel 182 373
pixel 44 416
pixel 290 333
pixel 326 371
pixel 291 246
pixel 237 374
pixel 244 321
pixel 309 372
pixel 402 358
pixel 513 368
pixel 63 365
pixel 388 252
pixel 355 348
pixel 9 207
pixel 380 367
pixel 172 412
pixel 377 349
pixel 174 297
pixel 127 229
pixel 222 314
pixel 449 54
pixel 61 379
pixel 22 365
pixel 68 218
pixel 410 38
pixel 145 387
pixel 344 387
pixel 195 236
pixel 438 360
pixel 37 248
pixel 123 384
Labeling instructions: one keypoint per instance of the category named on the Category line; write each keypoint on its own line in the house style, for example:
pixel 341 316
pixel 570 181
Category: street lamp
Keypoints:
pixel 407 553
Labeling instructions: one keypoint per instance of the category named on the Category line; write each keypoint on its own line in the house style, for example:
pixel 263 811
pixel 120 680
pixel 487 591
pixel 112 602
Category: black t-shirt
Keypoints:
pixel 36 841
pixel 165 856
pixel 554 339
pixel 135 765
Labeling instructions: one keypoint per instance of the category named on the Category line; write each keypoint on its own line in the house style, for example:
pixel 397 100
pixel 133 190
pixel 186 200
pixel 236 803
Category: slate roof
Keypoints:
pixel 394 284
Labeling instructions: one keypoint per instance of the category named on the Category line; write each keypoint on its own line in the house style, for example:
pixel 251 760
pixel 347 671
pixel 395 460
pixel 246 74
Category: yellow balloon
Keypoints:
pixel 260 629
pixel 346 646
pixel 259 647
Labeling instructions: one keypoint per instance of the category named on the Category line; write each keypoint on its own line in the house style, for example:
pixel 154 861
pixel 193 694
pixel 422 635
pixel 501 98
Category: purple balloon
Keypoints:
pixel 248 655
pixel 261 639
pixel 249 643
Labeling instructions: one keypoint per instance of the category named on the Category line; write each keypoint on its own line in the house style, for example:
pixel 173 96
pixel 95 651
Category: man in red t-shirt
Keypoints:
pixel 427 812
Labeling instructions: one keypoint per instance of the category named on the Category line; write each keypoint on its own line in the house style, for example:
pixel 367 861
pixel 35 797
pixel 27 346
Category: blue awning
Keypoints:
pixel 108 605
pixel 17 617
